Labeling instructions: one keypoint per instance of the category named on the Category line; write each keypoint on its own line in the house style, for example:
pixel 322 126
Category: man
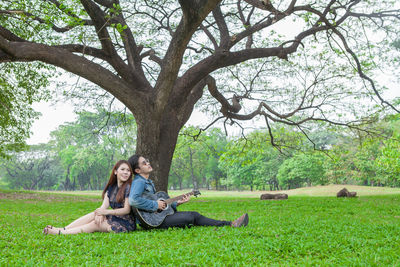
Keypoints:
pixel 142 187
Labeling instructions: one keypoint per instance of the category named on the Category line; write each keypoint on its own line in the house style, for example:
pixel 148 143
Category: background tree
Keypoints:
pixel 79 155
pixel 35 169
pixel 251 162
pixel 215 142
pixel 157 56
pixel 302 169
pixel 90 146
pixel 387 164
pixel 20 86
pixel 195 161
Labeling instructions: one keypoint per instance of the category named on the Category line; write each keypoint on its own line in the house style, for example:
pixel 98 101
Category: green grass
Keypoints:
pixel 302 230
pixel 321 190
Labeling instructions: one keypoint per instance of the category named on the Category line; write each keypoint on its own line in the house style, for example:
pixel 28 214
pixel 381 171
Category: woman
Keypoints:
pixel 115 195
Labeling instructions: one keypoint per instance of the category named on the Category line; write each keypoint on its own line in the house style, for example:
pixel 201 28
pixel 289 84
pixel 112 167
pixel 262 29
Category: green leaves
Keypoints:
pixel 302 170
pixel 119 27
pixel 20 86
pixel 195 161
pixel 251 162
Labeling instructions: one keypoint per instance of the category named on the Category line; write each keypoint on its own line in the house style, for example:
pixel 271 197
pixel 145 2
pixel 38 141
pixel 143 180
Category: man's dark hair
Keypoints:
pixel 134 162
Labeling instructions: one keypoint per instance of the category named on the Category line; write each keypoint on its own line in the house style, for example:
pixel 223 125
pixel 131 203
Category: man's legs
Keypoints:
pixel 188 218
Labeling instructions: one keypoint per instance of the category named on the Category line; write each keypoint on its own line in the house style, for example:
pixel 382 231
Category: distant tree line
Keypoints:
pixel 81 154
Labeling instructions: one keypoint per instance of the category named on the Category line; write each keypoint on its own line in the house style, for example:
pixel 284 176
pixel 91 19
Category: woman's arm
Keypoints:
pixel 98 216
pixel 106 202
pixel 122 211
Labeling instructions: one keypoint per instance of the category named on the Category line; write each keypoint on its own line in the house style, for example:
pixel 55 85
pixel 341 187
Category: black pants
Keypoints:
pixel 188 218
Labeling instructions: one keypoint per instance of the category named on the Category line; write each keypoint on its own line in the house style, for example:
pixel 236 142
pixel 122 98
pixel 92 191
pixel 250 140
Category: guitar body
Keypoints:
pixel 149 219
pixel 152 219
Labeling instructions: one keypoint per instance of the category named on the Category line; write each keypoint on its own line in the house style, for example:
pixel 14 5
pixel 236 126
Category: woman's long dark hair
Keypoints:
pixel 113 180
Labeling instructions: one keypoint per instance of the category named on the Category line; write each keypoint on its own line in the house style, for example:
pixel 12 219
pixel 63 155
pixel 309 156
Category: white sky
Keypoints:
pixel 52 117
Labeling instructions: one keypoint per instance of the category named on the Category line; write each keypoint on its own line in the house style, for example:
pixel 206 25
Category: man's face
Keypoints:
pixel 144 166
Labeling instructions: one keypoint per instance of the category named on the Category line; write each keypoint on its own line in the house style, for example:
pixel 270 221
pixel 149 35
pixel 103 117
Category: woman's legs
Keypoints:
pixel 86 228
pixel 81 221
pixel 78 222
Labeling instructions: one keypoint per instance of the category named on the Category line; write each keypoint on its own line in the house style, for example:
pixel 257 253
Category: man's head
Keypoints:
pixel 140 165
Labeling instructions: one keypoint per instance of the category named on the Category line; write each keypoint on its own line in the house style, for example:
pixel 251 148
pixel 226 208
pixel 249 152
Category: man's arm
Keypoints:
pixel 136 200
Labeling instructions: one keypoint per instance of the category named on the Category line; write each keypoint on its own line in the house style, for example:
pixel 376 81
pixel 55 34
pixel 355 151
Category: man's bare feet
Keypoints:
pixel 241 221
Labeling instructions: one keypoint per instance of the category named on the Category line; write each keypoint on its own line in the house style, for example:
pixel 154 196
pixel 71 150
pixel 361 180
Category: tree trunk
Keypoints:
pixel 156 142
pixel 32 186
pixel 67 183
pixel 194 180
pixel 180 179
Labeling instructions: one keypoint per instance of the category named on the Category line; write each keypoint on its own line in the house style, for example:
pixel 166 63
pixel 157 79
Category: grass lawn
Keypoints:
pixel 302 230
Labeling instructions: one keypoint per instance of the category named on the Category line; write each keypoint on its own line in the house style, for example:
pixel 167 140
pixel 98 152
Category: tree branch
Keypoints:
pixel 26 51
pixel 100 23
pixel 354 56
pixel 36 18
pixel 10 36
pixel 152 56
pixel 185 110
pixel 106 3
pixel 360 71
pixel 210 36
pixel 223 28
pixel 194 12
pixel 85 50
pixel 226 106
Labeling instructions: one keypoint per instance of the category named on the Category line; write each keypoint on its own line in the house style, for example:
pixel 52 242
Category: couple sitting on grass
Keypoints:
pixel 121 193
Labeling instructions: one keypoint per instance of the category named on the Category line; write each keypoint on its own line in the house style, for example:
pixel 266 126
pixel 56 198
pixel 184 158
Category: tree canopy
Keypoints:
pixel 20 86
pixel 157 57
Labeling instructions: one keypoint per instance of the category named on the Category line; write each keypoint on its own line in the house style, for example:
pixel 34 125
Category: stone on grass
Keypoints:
pixel 273 196
pixel 345 193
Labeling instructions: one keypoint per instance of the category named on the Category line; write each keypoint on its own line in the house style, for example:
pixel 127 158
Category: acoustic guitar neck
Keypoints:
pixel 170 200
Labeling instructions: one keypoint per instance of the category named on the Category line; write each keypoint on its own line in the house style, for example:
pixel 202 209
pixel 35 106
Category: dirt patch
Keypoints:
pixel 45 197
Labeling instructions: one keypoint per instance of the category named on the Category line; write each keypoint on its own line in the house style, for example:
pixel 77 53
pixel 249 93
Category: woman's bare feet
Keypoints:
pixel 56 228
pixel 52 231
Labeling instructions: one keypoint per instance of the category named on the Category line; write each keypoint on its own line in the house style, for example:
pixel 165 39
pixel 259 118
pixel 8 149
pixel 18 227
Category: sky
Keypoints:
pixel 52 116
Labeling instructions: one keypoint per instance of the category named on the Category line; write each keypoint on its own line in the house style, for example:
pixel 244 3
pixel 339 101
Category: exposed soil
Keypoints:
pixel 45 197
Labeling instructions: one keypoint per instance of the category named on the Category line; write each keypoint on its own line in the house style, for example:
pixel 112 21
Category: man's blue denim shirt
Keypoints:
pixel 141 190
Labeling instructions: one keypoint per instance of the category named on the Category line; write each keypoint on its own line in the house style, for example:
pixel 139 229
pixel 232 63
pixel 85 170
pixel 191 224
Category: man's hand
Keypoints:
pixel 185 199
pixel 161 204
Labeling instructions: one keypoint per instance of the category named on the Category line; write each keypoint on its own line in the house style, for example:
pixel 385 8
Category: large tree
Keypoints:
pixel 156 57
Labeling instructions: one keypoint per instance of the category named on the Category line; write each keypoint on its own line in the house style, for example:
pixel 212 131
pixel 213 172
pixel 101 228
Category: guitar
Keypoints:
pixel 152 219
